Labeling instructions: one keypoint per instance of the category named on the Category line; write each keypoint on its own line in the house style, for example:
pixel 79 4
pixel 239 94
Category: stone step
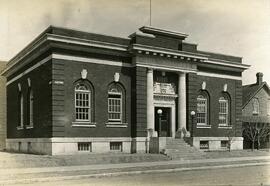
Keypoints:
pixel 182 142
pixel 179 149
pixel 175 141
pixel 177 146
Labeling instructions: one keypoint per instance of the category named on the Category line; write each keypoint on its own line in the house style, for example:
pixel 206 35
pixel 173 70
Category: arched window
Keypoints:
pixel 256 106
pixel 223 115
pixel 30 104
pixel 82 102
pixel 21 116
pixel 202 109
pixel 115 103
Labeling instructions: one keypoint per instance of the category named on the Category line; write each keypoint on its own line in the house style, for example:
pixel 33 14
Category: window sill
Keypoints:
pixel 19 128
pixel 83 124
pixel 224 127
pixel 116 125
pixel 201 126
pixel 29 127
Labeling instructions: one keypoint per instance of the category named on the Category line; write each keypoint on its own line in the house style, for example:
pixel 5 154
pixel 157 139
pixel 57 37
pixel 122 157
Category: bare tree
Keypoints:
pixel 256 132
pixel 230 134
pixel 263 132
pixel 250 131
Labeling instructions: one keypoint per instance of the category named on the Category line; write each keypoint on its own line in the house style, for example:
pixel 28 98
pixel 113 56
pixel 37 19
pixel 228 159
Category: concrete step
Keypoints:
pixel 179 149
pixel 174 146
pixel 177 142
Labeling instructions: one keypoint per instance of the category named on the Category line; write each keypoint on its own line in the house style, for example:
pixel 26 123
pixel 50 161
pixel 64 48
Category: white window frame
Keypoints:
pixel 111 97
pixel 84 146
pixel 30 105
pixel 204 145
pixel 223 114
pixel 78 106
pixel 255 106
pixel 202 102
pixel 222 144
pixel 115 144
pixel 21 111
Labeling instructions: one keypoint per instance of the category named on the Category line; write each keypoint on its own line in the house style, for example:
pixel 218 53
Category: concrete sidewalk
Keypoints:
pixel 130 165
pixel 41 174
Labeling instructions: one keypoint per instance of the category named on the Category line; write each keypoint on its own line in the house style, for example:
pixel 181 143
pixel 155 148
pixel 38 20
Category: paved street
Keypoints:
pixel 253 175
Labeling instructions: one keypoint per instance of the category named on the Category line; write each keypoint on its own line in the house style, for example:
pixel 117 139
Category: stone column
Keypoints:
pixel 150 104
pixel 181 105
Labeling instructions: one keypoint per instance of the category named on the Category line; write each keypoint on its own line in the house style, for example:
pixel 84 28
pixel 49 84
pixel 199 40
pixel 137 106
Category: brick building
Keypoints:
pixel 256 107
pixel 2 108
pixel 74 92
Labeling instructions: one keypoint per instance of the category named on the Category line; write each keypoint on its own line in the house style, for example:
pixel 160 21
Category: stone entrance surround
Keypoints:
pixel 164 100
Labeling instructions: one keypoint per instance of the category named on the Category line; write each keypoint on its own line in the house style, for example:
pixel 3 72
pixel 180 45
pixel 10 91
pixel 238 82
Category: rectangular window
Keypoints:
pixel 21 110
pixel 82 106
pixel 114 108
pixel 30 104
pixel 201 111
pixel 256 106
pixel 224 144
pixel 204 144
pixel 116 146
pixel 223 112
pixel 85 146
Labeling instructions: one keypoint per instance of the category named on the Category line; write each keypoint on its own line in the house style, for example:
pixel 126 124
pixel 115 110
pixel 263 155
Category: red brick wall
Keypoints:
pixel 100 76
pixel 214 86
pixel 40 84
pixel 264 104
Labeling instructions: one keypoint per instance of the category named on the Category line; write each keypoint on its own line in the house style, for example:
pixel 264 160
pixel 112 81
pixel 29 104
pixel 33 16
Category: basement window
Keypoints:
pixel 224 144
pixel 204 144
pixel 116 146
pixel 85 146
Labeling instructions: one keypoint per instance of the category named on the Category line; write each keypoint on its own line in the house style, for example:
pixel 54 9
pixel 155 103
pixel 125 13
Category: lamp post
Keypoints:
pixel 159 112
pixel 192 113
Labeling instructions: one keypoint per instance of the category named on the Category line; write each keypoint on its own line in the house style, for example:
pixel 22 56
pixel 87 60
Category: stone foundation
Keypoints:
pixel 215 142
pixel 65 146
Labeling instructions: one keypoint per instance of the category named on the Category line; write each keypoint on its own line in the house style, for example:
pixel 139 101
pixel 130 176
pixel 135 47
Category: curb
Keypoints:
pixel 112 174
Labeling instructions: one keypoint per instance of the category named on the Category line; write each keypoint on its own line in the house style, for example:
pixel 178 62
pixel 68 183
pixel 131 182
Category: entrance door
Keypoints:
pixel 162 122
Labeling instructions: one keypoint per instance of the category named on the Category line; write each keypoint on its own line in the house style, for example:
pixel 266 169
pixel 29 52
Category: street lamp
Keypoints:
pixel 159 112
pixel 192 113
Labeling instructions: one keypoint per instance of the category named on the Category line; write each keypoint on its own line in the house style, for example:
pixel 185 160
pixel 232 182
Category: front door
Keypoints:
pixel 162 122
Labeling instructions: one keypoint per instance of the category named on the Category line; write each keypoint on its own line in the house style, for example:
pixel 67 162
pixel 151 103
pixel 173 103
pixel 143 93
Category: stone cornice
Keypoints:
pixel 86 42
pixel 58 38
pixel 227 63
pixel 188 56
pixel 165 96
pixel 158 31
pixel 146 49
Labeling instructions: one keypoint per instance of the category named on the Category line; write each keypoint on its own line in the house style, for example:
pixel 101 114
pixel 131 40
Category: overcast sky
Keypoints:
pixel 240 28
